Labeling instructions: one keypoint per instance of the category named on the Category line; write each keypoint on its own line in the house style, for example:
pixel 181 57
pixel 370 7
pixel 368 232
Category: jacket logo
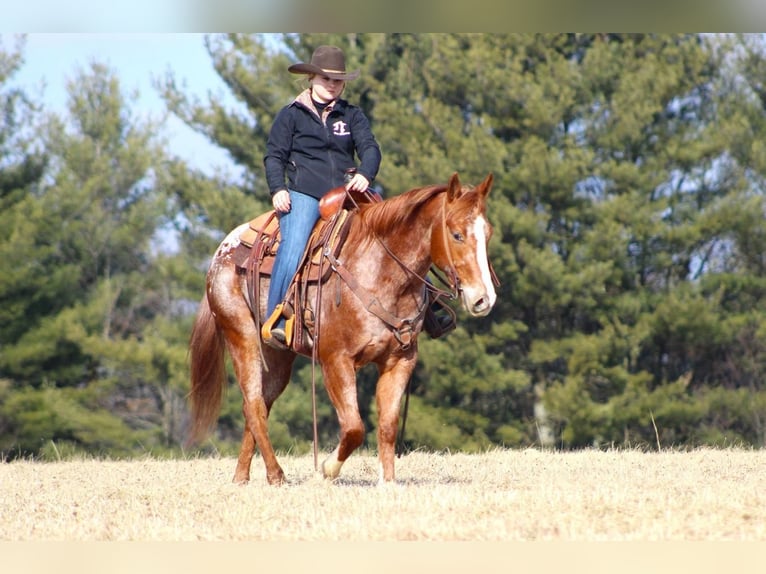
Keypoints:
pixel 340 128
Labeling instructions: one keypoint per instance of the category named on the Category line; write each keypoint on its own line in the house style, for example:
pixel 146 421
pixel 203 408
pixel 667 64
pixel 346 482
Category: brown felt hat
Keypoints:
pixel 326 61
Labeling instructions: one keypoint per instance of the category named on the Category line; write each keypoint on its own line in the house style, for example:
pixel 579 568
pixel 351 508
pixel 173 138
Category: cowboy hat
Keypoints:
pixel 326 61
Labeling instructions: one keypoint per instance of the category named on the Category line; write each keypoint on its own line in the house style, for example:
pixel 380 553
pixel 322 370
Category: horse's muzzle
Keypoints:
pixel 478 304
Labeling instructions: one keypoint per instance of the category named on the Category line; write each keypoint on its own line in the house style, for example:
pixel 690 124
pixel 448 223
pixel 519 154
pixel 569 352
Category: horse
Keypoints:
pixel 371 310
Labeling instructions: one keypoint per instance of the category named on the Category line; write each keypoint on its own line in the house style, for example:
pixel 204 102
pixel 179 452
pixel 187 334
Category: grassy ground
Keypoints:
pixel 502 495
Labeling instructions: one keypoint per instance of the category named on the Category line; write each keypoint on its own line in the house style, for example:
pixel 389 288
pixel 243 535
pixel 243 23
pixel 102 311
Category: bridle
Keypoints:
pixel 453 279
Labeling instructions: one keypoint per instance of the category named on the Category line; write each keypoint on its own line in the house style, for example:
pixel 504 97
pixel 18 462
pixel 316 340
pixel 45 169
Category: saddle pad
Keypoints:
pixel 266 223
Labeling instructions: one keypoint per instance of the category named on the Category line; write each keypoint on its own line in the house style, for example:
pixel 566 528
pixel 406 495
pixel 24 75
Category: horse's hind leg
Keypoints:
pixel 260 388
pixel 246 452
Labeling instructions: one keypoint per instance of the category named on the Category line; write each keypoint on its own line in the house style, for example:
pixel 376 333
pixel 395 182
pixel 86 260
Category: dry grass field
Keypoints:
pixel 501 495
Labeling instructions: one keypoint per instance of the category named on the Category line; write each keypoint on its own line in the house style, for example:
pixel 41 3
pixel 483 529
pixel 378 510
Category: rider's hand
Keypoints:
pixel 358 183
pixel 281 201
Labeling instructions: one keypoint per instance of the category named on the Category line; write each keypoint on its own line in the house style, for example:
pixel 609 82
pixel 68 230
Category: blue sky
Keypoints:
pixel 51 59
pixel 163 15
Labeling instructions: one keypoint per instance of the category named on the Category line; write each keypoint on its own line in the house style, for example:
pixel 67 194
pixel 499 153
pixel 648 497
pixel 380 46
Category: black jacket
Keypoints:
pixel 312 152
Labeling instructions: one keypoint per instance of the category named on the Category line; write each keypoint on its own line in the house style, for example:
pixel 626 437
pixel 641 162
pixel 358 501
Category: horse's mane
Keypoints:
pixel 380 218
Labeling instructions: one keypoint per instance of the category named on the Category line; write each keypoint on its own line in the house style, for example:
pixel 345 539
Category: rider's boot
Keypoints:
pixel 439 319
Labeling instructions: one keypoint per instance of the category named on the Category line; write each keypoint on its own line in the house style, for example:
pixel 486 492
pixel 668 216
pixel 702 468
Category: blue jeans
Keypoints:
pixel 295 227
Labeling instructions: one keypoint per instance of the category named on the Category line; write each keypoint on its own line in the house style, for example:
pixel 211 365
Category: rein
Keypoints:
pixel 314 359
pixel 402 328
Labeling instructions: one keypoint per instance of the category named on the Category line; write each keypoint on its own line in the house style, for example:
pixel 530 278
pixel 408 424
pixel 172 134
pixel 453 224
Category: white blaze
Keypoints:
pixel 479 227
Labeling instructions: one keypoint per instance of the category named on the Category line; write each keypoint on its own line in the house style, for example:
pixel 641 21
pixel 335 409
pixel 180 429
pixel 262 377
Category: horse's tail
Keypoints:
pixel 208 373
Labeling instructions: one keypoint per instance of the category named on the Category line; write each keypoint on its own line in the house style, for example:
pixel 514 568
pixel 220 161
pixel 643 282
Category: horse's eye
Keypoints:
pixel 457 236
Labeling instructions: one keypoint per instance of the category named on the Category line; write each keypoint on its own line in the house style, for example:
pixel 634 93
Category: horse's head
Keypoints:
pixel 459 242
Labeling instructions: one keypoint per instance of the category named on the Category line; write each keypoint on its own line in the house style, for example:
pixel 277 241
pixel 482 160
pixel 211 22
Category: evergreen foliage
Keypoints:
pixel 629 240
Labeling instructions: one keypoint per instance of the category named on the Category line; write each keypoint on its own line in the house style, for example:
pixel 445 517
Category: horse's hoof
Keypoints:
pixel 241 480
pixel 331 469
pixel 276 479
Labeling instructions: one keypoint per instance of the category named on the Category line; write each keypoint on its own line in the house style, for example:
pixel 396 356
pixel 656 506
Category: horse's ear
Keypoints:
pixel 484 187
pixel 454 187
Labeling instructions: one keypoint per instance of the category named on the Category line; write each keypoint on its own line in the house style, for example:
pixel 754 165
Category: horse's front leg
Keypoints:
pixel 340 382
pixel 388 395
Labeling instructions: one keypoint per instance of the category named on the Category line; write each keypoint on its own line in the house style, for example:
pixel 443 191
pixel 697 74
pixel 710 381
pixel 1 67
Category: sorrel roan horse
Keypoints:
pixel 389 249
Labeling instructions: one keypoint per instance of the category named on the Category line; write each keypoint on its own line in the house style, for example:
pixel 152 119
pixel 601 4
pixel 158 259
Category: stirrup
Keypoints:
pixel 282 309
pixel 268 325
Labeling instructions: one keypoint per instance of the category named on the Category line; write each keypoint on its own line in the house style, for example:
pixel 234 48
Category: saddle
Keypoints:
pixel 259 243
